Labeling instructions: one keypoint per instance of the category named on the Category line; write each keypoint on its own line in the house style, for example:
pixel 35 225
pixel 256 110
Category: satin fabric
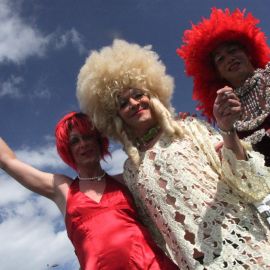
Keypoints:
pixel 107 235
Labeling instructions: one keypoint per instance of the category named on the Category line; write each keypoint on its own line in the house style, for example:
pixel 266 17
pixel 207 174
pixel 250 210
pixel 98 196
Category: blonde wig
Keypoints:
pixel 111 70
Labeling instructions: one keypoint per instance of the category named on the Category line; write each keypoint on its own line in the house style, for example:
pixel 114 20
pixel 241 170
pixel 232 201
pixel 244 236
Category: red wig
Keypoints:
pixel 202 39
pixel 81 122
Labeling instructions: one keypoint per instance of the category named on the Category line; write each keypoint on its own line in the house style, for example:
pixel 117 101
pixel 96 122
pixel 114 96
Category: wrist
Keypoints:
pixel 226 132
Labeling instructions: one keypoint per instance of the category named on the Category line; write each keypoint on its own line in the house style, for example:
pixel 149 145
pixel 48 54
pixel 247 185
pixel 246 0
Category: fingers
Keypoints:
pixel 231 106
pixel 225 94
pixel 230 111
pixel 227 107
pixel 225 89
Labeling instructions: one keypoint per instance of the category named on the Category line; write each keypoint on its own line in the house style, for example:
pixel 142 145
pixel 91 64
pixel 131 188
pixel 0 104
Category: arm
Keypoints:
pixel 227 109
pixel 43 183
pixel 242 168
pixel 249 178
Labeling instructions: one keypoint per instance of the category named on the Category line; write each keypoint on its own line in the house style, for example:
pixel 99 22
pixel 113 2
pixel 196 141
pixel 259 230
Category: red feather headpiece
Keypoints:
pixel 202 39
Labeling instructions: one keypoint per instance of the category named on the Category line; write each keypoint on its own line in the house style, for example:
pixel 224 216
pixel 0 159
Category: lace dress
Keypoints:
pixel 180 186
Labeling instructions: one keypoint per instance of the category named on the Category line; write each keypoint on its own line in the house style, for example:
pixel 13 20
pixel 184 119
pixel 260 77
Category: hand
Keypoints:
pixel 227 108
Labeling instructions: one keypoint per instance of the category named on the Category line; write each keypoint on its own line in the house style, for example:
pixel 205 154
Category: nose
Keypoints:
pixel 229 57
pixel 82 142
pixel 133 102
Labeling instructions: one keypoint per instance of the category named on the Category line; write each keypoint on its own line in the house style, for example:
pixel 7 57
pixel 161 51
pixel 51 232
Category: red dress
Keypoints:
pixel 107 235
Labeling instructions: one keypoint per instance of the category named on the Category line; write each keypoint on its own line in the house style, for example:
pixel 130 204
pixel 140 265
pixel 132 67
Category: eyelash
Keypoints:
pixel 136 96
pixel 75 140
pixel 230 51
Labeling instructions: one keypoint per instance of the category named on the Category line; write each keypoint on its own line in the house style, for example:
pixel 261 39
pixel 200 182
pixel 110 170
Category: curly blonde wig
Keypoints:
pixel 111 70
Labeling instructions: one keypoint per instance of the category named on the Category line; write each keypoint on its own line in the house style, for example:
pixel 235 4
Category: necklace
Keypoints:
pixel 95 178
pixel 148 136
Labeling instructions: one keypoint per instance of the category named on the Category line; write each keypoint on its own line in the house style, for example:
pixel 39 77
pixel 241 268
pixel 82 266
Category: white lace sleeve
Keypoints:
pixel 251 179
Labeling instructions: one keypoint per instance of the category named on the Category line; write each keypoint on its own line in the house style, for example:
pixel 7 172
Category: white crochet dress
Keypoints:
pixel 181 187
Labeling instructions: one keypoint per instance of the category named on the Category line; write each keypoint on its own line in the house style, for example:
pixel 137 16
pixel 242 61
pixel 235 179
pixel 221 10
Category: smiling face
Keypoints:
pixel 135 111
pixel 232 63
pixel 84 148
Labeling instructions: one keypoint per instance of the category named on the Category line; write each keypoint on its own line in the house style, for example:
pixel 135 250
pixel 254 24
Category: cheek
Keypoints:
pixel 122 115
pixel 219 67
pixel 73 151
pixel 220 71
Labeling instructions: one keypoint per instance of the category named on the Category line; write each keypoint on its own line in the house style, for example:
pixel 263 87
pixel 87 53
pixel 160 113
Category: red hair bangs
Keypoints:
pixel 200 41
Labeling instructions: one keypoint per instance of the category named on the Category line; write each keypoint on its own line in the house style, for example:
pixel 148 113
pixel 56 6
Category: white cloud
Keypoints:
pixel 73 37
pixel 42 93
pixel 29 239
pixel 41 157
pixel 11 87
pixel 41 90
pixel 18 40
pixel 115 164
pixel 11 191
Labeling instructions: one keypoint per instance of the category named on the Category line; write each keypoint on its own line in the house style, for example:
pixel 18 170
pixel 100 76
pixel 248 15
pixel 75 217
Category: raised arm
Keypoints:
pixel 227 109
pixel 46 184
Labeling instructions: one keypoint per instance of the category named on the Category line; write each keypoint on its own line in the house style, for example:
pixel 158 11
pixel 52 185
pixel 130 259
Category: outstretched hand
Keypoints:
pixel 227 108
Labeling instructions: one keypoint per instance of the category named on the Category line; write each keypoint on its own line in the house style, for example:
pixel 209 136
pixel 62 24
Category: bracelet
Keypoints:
pixel 226 132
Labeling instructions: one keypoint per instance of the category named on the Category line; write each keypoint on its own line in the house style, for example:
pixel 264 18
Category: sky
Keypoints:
pixel 43 45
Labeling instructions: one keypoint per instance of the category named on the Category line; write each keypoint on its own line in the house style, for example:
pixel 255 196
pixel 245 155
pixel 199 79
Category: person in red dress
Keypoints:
pixel 227 55
pixel 100 216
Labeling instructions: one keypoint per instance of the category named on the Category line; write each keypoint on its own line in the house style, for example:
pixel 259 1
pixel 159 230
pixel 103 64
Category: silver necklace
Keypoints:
pixel 95 178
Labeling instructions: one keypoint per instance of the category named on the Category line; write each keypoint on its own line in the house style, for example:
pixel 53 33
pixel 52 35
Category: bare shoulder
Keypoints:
pixel 61 182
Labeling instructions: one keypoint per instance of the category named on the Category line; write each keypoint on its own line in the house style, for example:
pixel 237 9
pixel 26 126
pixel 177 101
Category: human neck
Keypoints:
pixel 149 137
pixel 90 171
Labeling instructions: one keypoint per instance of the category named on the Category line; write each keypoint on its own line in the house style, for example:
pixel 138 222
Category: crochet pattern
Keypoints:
pixel 206 225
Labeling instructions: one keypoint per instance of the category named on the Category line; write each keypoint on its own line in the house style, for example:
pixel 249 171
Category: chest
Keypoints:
pixel 173 169
pixel 94 194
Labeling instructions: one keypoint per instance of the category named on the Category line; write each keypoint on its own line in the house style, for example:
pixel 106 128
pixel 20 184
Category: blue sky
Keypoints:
pixel 43 45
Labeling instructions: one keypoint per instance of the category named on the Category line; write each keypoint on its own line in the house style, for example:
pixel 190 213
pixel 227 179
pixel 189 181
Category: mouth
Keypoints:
pixel 86 153
pixel 138 112
pixel 234 66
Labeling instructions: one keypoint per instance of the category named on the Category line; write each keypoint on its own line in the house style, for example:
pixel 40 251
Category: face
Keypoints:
pixel 134 110
pixel 84 148
pixel 232 64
